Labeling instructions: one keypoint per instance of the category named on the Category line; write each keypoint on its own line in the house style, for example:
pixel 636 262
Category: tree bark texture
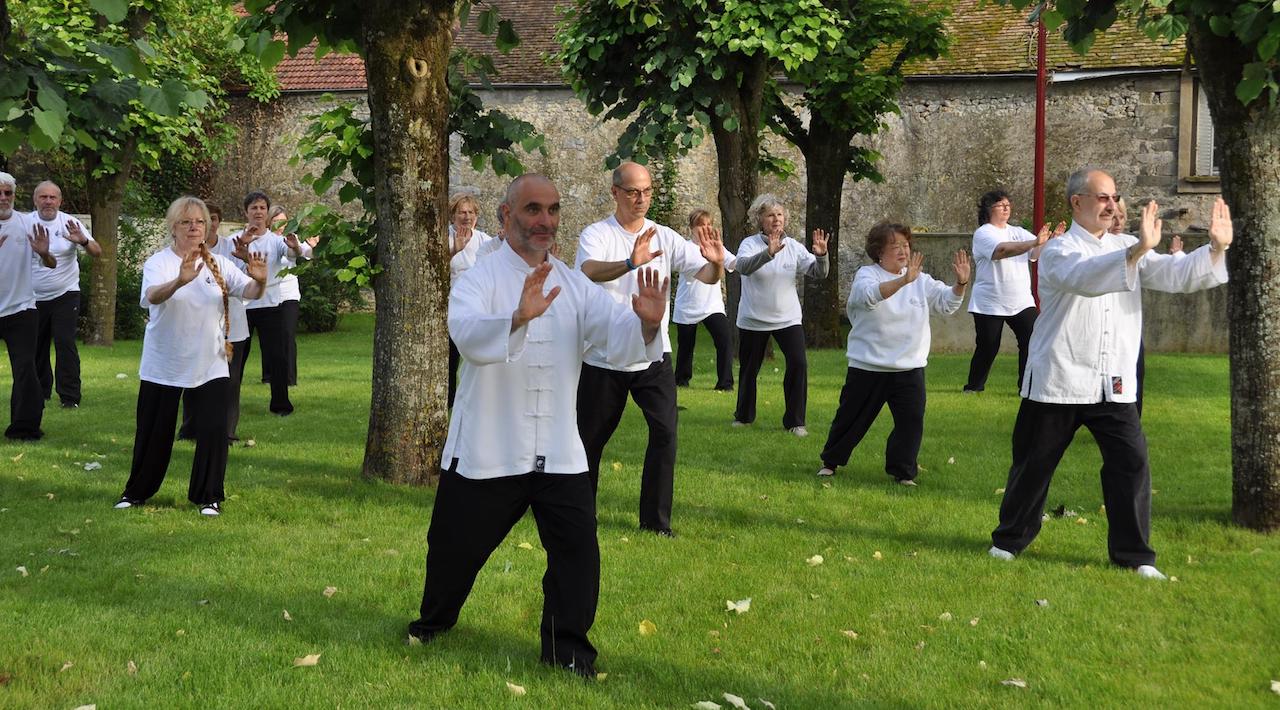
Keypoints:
pixel 106 199
pixel 826 158
pixel 1248 139
pixel 738 169
pixel 406 48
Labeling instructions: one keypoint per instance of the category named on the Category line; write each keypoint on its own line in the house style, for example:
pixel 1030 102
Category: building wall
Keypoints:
pixel 952 141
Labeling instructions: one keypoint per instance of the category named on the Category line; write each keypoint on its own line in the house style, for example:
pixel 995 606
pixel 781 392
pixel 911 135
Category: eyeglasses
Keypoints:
pixel 6 193
pixel 635 194
pixel 1102 197
pixel 1004 205
pixel 188 222
pixel 899 245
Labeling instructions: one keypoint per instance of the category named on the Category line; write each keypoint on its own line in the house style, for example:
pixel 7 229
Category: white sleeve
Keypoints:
pixel 590 246
pixel 482 337
pixel 864 293
pixel 984 243
pixel 235 279
pixel 942 298
pixel 686 256
pixel 1193 272
pixel 1071 270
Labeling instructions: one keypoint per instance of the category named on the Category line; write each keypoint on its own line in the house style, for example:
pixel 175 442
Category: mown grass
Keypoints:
pixel 198 605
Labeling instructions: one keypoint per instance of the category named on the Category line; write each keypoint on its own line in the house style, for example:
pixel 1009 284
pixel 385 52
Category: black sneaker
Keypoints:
pixel 126 503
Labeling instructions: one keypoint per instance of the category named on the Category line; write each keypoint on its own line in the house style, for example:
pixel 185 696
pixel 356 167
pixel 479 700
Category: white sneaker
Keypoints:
pixel 1000 554
pixel 825 472
pixel 906 482
pixel 737 424
pixel 211 509
pixel 799 431
pixel 1150 572
pixel 125 503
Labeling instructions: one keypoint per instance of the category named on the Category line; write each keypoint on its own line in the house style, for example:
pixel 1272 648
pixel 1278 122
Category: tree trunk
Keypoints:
pixel 825 162
pixel 106 197
pixel 737 170
pixel 1248 139
pixel 406 48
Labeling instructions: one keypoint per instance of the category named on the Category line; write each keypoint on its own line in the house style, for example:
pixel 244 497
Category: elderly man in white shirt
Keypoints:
pixel 513 444
pixel 20 237
pixel 58 295
pixel 1081 369
pixel 608 252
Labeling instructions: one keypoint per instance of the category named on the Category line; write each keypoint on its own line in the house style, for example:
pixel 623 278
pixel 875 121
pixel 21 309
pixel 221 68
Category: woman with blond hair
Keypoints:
pixel 186 290
pixel 770 263
pixel 701 303
pixel 465 245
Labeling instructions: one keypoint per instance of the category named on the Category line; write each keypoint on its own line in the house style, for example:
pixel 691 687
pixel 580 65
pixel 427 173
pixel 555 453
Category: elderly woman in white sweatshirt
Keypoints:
pixel 889 306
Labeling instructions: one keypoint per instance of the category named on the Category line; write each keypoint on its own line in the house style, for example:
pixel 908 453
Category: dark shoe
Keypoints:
pixel 126 503
pixel 972 390
pixel 728 388
pixel 185 436
pixel 682 384
pixel 70 405
pixel 661 532
pixel 211 510
pixel 24 435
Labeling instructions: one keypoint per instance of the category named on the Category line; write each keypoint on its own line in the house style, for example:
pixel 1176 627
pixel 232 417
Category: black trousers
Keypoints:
pixel 289 317
pixel 269 322
pixel 1141 374
pixel 57 322
pixel 987 331
pixel 471 518
pixel 863 396
pixel 1041 435
pixel 153 442
pixel 26 406
pixel 236 367
pixel 455 358
pixel 687 339
pixel 795 381
pixel 602 395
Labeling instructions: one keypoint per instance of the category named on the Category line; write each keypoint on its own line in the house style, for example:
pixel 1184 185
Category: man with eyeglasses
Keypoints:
pixel 1081 368
pixel 20 237
pixel 609 252
pixel 58 295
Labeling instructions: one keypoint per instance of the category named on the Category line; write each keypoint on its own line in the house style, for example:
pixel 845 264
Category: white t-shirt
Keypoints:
pixel 892 334
pixel 16 294
pixel 272 246
pixel 466 258
pixel 290 289
pixel 48 284
pixel 607 241
pixel 518 391
pixel 1001 287
pixel 696 300
pixel 769 299
pixel 184 345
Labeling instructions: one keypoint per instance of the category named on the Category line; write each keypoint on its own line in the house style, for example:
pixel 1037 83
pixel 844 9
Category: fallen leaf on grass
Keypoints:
pixel 202 602
pixel 121 376
pixel 624 539
pixel 306 661
pixel 1081 521
pixel 516 690
pixel 1014 682
pixel 87 707
pixel 22 570
pixel 951 459
pixel 767 704
pixel 44 569
pixel 18 458
pixel 1275 687
pixel 250 443
pixel 65 666
pixel 999 491
pixel 982 665
pixel 616 465
pixel 525 546
pixel 877 555
pixel 736 701
pixel 50 496
pixel 850 633
pixel 973 621
pixel 5 678
pixel 648 628
pixel 815 561
pixel 920 646
pixel 705 705
pixel 286 615
pixel 601 676
pixel 92 466
pixel 1042 602
pixel 329 592
pixel 944 616
pixel 741 606
pixel 132 668
pixel 180 632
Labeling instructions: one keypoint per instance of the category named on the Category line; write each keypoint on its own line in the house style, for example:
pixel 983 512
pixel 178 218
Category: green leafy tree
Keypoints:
pixel 117 83
pixel 676 69
pixel 398 165
pixel 845 92
pixel 1234 44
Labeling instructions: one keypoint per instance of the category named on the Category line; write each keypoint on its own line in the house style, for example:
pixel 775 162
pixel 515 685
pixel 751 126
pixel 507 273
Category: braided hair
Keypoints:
pixel 226 300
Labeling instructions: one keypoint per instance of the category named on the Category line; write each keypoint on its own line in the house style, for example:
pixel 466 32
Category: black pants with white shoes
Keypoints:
pixel 153 442
pixel 1041 436
pixel 472 517
pixel 863 396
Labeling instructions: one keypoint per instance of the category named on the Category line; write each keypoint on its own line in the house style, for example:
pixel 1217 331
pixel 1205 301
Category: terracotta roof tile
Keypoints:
pixel 333 72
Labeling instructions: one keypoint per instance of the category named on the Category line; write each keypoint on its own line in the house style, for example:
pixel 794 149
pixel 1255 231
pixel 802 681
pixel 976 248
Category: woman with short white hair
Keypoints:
pixel 771 263
pixel 186 291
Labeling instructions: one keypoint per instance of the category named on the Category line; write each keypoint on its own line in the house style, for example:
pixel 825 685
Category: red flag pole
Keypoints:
pixel 1038 191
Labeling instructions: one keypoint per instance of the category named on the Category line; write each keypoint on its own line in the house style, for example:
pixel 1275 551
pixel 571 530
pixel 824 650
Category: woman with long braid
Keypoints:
pixel 187 347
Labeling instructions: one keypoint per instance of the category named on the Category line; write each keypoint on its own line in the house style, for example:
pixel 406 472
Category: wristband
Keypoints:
pixel 630 266
pixel 962 283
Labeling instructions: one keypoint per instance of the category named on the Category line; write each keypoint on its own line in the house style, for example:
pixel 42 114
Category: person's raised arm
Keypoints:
pixel 602 271
pixel 39 241
pixel 77 234
pixel 711 247
pixel 650 303
pixel 892 286
pixel 191 265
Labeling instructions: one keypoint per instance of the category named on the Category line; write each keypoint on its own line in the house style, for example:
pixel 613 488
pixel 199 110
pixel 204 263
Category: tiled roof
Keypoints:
pixel 986 38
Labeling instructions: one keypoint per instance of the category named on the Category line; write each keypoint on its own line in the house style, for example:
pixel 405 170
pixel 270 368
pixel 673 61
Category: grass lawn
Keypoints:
pixel 160 608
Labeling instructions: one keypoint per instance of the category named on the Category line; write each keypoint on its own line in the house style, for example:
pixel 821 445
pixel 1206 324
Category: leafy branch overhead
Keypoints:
pixel 1255 24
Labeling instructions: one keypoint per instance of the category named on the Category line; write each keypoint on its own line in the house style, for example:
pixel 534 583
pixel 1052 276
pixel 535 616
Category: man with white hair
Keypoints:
pixel 609 252
pixel 58 295
pixel 1082 361
pixel 19 238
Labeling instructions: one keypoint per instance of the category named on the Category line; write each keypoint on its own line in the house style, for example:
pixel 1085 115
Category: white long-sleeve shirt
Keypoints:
pixel 1084 349
pixel 607 241
pixel 49 284
pixel 1001 287
pixel 465 259
pixel 892 334
pixel 518 391
pixel 769 300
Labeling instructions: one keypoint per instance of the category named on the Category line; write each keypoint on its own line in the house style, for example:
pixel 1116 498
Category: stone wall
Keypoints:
pixel 953 140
